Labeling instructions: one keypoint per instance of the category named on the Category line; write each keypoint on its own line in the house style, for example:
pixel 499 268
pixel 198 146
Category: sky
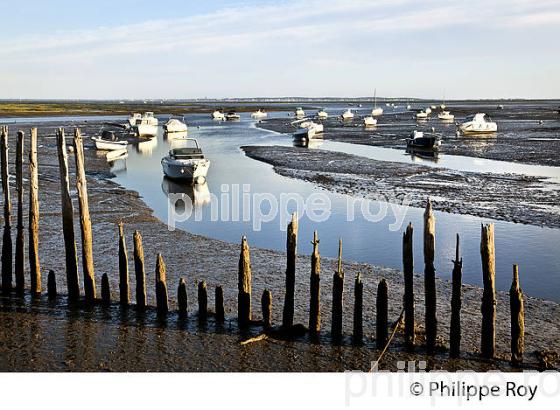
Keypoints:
pixel 195 49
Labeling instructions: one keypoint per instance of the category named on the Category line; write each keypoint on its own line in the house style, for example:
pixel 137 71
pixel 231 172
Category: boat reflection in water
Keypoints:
pixel 171 136
pixel 179 194
pixel 419 154
pixel 147 146
pixel 306 143
pixel 117 160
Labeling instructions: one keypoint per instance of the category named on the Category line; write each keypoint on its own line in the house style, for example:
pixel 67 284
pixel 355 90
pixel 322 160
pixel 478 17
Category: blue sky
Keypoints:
pixel 192 49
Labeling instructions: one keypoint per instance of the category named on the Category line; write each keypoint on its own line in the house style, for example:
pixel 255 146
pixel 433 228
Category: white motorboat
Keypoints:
pixel 322 114
pixel 370 121
pixel 418 140
pixel 442 106
pixel 310 124
pixel 422 115
pixel 409 107
pixel 259 114
pixel 478 124
pixel 376 111
pixel 299 112
pixel 433 107
pixel 428 110
pixel 232 116
pixel 218 115
pixel 145 125
pixel 446 116
pixel 186 163
pixel 347 115
pixel 109 142
pixel 175 125
pixel 133 118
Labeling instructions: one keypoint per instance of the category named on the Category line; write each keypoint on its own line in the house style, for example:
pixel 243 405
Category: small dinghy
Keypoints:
pixel 418 140
pixel 186 163
pixel 109 142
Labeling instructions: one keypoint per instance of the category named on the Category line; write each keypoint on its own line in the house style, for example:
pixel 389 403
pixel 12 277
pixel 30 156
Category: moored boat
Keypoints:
pixel 232 116
pixel 478 124
pixel 186 163
pixel 446 116
pixel 322 114
pixel 175 125
pixel 108 141
pixel 347 114
pixel 418 140
pixel 422 115
pixel 218 115
pixel 299 113
pixel 260 113
pixel 370 121
pixel 146 125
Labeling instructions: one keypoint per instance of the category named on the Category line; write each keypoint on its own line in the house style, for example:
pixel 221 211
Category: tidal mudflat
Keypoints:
pixel 108 339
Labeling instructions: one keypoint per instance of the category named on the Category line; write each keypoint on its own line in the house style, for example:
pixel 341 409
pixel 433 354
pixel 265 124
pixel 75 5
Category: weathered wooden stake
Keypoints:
pixel 7 236
pixel 337 299
pixel 85 221
pixel 291 252
pixel 408 268
pixel 315 294
pixel 266 304
pixel 244 285
pixel 161 286
pixel 358 309
pixel 51 285
pixel 20 244
pixel 456 304
pixel 202 301
pixel 488 335
pixel 430 278
pixel 140 273
pixel 124 288
pixel 105 290
pixel 381 325
pixel 219 301
pixel 517 319
pixel 34 265
pixel 182 298
pixel 72 280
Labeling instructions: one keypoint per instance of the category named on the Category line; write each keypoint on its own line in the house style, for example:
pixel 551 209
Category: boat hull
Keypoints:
pixel 102 145
pixel 469 128
pixel 186 170
pixel 142 130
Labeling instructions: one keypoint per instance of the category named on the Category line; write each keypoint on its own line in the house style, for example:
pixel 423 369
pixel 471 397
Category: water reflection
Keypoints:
pixel 170 136
pixel 305 143
pixel 147 147
pixel 417 155
pixel 197 194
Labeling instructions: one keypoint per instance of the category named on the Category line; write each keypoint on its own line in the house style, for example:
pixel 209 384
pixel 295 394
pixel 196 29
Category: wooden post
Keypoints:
pixel 244 285
pixel 34 265
pixel 358 309
pixel 382 308
pixel 408 268
pixel 161 286
pixel 105 290
pixel 140 273
pixel 430 278
pixel 85 221
pixel 182 298
pixel 266 305
pixel 337 299
pixel 517 320
pixel 488 335
pixel 456 304
pixel 20 247
pixel 51 285
pixel 72 280
pixel 124 288
pixel 7 236
pixel 291 252
pixel 202 301
pixel 219 301
pixel 315 294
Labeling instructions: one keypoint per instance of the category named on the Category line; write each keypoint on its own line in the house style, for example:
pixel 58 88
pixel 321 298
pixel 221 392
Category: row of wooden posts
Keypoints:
pixel 488 306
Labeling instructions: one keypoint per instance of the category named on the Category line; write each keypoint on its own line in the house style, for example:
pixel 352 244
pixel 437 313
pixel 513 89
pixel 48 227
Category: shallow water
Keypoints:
pixel 533 248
